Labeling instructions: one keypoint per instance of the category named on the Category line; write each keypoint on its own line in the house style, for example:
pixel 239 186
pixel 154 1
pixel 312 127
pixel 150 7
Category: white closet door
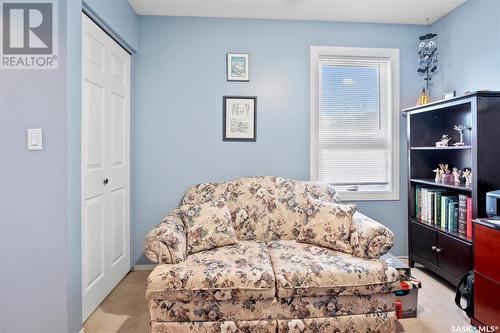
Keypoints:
pixel 105 164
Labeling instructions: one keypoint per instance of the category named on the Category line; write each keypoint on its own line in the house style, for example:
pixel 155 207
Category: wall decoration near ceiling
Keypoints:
pixel 427 63
pixel 237 67
pixel 239 121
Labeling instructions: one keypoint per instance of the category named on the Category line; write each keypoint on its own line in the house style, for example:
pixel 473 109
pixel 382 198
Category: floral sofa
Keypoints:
pixel 268 282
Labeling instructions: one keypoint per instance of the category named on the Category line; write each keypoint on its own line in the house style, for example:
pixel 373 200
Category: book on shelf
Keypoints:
pixel 469 217
pixel 445 211
pixel 452 216
pixel 437 206
pixel 462 214
pixel 417 202
pixel 444 208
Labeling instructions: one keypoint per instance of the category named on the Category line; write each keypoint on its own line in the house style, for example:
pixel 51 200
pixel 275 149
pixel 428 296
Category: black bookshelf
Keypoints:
pixel 449 254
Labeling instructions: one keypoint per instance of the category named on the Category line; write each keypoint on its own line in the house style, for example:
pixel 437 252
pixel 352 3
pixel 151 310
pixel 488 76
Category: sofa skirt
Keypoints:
pixel 275 308
pixel 382 322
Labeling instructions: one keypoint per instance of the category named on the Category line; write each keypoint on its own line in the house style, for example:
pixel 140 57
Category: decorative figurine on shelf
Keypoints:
pixel 443 173
pixel 460 129
pixel 427 62
pixel 439 175
pixel 444 141
pixel 468 177
pixel 456 173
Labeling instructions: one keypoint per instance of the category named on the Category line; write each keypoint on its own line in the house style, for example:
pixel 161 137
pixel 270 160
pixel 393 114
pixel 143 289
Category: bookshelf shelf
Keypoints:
pixel 442 148
pixel 425 125
pixel 445 231
pixel 460 187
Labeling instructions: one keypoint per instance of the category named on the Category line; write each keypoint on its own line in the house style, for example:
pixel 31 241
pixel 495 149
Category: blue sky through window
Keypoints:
pixel 351 96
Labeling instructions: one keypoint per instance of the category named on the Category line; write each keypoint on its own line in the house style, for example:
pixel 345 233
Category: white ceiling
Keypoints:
pixel 371 11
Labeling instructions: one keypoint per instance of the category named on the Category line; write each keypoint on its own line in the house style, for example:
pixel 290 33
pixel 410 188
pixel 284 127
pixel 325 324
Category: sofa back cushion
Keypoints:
pixel 328 225
pixel 263 208
pixel 208 225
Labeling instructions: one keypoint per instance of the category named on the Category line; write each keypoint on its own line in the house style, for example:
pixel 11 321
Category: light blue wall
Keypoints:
pixel 40 276
pixel 469 48
pixel 34 289
pixel 119 15
pixel 180 81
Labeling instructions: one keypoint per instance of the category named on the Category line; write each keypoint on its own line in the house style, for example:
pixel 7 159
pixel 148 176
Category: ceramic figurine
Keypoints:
pixel 443 167
pixel 460 129
pixel 439 174
pixel 456 173
pixel 444 141
pixel 468 177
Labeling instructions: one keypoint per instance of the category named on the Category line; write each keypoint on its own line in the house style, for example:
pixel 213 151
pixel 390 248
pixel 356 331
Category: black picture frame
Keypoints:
pixel 224 119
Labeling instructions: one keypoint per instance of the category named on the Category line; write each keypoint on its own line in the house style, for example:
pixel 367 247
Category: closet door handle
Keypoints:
pixel 433 248
pixel 438 250
pixel 105 181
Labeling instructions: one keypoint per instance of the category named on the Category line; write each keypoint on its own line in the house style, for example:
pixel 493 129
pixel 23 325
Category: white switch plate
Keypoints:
pixel 35 139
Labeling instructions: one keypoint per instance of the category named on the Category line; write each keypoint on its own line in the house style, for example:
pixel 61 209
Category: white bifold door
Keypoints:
pixel 105 164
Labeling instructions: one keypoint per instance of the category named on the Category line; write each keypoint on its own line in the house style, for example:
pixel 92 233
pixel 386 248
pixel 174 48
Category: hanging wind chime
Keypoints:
pixel 427 61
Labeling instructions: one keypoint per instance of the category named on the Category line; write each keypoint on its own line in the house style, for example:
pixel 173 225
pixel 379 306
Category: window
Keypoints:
pixel 355 121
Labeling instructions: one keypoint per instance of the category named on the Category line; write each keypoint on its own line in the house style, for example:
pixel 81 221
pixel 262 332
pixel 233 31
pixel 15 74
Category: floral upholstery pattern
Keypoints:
pixel 234 272
pixel 276 308
pixel 373 323
pixel 257 326
pixel 263 208
pixel 370 239
pixel 166 243
pixel 268 282
pixel 208 225
pixel 308 270
pixel 329 225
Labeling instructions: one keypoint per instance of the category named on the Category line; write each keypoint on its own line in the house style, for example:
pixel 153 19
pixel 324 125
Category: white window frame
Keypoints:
pixel 366 192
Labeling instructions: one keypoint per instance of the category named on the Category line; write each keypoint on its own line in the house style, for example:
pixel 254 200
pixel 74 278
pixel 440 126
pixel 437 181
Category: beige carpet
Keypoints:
pixel 125 309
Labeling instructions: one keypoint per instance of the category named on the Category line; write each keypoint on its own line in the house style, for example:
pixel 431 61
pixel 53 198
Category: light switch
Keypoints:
pixel 35 139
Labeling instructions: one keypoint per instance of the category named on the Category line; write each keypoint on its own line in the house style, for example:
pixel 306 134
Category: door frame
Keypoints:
pixel 101 23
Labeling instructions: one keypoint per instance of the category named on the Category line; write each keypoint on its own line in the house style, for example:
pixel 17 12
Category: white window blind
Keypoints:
pixel 355 134
pixel 355 121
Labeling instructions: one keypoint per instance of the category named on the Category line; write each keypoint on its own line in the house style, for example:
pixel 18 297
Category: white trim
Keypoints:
pixel 142 268
pixel 82 330
pixel 393 56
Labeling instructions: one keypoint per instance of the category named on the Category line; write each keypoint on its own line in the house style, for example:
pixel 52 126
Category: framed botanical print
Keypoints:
pixel 237 67
pixel 239 120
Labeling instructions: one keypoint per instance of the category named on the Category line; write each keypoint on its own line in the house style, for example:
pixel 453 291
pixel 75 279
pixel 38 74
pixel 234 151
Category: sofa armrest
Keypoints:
pixel 369 239
pixel 166 243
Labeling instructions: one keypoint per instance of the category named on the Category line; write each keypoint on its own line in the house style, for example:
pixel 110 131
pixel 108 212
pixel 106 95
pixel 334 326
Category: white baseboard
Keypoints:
pixel 82 330
pixel 142 268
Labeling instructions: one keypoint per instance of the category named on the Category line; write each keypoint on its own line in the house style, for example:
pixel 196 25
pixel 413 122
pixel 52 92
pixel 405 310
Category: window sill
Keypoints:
pixel 368 196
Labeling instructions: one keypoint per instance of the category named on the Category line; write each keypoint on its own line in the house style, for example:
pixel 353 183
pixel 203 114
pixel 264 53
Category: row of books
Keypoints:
pixel 444 208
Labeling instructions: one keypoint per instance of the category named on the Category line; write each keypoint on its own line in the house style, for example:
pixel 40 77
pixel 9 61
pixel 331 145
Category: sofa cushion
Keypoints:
pixel 308 270
pixel 263 208
pixel 234 272
pixel 329 225
pixel 208 225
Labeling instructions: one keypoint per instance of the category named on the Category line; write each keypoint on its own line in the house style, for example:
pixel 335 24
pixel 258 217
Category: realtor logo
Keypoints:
pixel 29 34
